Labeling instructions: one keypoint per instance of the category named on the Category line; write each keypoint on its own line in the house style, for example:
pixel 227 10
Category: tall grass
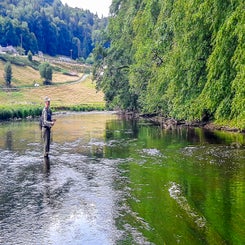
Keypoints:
pixel 19 112
pixel 82 107
pixel 24 111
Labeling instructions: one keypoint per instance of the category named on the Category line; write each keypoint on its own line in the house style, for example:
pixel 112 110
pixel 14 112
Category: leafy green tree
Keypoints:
pixel 224 65
pixel 29 55
pixel 46 72
pixel 145 56
pixel 182 59
pixel 114 62
pixel 8 73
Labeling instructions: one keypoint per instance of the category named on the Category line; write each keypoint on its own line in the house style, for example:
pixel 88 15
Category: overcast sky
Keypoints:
pixel 101 7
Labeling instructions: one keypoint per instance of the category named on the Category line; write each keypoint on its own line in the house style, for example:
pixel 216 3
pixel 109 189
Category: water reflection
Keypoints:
pixel 205 168
pixel 113 181
pixel 9 140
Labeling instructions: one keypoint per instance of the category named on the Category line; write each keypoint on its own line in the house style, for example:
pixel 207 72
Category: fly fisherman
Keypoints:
pixel 47 123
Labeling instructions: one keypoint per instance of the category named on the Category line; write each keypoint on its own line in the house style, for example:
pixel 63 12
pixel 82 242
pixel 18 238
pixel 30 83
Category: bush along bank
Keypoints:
pixel 19 112
pixel 83 107
pixel 29 112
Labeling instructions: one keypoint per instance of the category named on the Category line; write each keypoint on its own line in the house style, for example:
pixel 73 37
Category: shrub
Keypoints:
pixel 8 73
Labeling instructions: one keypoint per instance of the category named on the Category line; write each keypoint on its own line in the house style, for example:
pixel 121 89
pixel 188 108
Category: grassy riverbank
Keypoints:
pixel 71 89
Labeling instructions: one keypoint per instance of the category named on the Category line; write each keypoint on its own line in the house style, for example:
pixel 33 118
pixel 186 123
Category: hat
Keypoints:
pixel 47 99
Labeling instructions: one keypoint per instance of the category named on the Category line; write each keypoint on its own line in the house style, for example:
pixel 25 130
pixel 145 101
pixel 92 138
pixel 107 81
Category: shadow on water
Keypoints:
pixel 113 181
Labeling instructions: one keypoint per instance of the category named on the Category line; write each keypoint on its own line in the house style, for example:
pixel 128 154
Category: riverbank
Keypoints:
pixel 31 112
pixel 170 123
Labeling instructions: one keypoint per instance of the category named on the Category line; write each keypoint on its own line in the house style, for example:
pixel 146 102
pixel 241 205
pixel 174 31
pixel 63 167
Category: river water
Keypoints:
pixel 112 181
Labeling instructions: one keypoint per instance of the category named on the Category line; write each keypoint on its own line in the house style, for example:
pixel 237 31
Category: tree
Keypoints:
pixel 8 73
pixel 46 72
pixel 112 63
pixel 29 55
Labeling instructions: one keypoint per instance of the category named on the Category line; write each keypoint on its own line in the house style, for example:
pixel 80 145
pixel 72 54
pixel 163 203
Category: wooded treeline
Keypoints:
pixel 181 59
pixel 49 26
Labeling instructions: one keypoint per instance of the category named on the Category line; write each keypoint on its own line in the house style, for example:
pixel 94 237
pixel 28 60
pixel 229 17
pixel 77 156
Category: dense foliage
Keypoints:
pixel 46 72
pixel 181 59
pixel 48 26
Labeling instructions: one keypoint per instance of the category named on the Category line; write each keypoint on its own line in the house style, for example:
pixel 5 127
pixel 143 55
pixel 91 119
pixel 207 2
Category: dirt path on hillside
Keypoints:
pixel 81 79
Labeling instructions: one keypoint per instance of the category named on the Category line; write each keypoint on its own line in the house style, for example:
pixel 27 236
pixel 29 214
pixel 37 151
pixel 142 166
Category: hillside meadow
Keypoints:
pixel 72 92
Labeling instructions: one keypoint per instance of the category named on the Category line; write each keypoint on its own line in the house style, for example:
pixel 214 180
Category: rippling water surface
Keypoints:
pixel 114 181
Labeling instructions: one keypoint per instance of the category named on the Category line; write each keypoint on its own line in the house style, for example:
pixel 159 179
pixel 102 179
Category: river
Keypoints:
pixel 113 181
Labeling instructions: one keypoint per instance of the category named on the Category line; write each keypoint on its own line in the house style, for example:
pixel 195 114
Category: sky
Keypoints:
pixel 101 7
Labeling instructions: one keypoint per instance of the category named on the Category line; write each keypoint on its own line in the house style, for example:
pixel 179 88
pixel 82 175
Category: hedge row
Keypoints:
pixel 8 113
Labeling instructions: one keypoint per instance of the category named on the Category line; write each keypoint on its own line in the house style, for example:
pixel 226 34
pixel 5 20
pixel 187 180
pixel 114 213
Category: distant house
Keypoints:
pixel 8 49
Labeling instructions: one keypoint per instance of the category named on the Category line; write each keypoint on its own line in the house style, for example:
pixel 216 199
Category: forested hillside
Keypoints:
pixel 181 59
pixel 48 26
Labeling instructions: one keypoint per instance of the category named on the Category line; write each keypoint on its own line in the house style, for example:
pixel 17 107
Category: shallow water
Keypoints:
pixel 112 181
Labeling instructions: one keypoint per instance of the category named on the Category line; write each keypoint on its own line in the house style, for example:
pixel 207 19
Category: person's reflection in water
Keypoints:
pixel 9 140
pixel 46 165
pixel 46 187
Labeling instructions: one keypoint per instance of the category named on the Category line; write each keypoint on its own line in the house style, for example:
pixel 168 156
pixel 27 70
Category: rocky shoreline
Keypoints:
pixel 170 123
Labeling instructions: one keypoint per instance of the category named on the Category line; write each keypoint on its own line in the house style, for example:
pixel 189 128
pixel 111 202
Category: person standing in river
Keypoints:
pixel 47 124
